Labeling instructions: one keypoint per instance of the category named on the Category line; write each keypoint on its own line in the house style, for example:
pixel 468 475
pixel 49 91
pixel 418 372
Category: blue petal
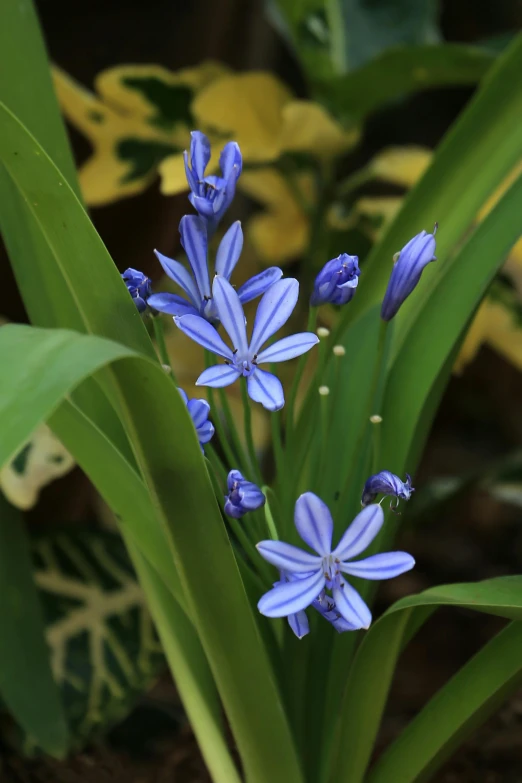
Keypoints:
pixel 203 206
pixel 231 510
pixel 383 566
pixel 298 622
pixel 230 157
pixel 251 496
pixel 274 310
pixel 180 275
pixel 314 523
pixel 205 432
pixel 351 606
pixel 218 376
pixel 287 557
pixel 229 250
pixel 199 411
pixel 288 348
pixel 259 284
pixel 199 153
pixel 265 388
pixel 292 597
pixel 171 304
pixel 193 232
pixel 361 532
pixel 231 314
pixel 183 395
pixel 191 178
pixel 203 333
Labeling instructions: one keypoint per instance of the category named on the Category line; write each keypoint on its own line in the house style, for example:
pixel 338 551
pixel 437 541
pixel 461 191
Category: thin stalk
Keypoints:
pixel 159 334
pixel 376 422
pixel 310 327
pixel 247 413
pixel 277 440
pixel 222 435
pixel 232 429
pixel 337 27
pixel 270 523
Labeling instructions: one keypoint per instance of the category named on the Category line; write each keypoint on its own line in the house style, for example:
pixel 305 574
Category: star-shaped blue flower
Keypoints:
pixel 211 196
pixel 196 287
pixel 326 569
pixel 274 310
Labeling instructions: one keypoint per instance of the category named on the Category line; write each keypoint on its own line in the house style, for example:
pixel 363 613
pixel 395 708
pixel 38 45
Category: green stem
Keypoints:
pixel 310 327
pixel 222 435
pixel 376 422
pixel 247 413
pixel 159 334
pixel 270 522
pixel 337 27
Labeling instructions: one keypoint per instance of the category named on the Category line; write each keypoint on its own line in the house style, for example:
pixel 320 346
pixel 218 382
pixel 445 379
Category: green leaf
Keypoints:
pixel 371 28
pixel 104 650
pixel 400 72
pixel 182 492
pixel 26 682
pixel 459 707
pixel 59 359
pixel 380 649
pixel 481 148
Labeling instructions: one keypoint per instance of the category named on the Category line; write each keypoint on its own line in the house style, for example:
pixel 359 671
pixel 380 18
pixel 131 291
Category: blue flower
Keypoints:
pixel 274 310
pixel 211 196
pixel 243 496
pixel 337 281
pixel 324 604
pixel 138 286
pixel 197 286
pixel 386 483
pixel 199 411
pixel 324 570
pixel 407 271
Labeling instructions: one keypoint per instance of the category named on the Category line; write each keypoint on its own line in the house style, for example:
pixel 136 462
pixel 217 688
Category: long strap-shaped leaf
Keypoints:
pixel 372 670
pixel 182 494
pixel 472 160
pixel 455 711
pixel 26 680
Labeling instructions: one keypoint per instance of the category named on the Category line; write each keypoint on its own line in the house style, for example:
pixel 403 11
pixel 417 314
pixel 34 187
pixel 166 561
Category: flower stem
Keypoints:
pixel 376 422
pixel 270 523
pixel 222 435
pixel 310 327
pixel 159 334
pixel 247 413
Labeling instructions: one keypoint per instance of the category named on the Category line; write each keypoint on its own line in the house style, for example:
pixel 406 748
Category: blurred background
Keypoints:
pixel 133 79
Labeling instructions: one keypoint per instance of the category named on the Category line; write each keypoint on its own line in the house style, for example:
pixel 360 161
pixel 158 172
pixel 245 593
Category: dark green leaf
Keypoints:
pixel 26 681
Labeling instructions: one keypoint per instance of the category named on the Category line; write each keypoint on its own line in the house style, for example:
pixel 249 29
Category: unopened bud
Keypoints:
pixel 339 350
pixel 376 419
pixel 323 332
pixel 324 391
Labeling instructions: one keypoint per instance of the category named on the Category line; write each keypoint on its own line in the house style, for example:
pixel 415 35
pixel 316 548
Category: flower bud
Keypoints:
pixel 337 281
pixel 243 496
pixel 407 271
pixel 139 287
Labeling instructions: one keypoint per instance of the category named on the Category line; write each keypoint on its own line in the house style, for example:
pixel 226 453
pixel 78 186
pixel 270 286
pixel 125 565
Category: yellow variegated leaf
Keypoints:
pixel 380 211
pixel 495 326
pixel 141 116
pixel 247 107
pixel 42 460
pixel 307 127
pixel 281 233
pixel 401 165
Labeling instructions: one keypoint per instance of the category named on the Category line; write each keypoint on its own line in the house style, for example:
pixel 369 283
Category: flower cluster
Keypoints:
pixel 307 576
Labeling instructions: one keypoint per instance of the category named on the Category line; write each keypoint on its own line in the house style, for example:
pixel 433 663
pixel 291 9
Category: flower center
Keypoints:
pixel 330 566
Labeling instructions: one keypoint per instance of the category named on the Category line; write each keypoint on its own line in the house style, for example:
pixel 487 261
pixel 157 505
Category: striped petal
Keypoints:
pixel 204 333
pixel 193 232
pixel 172 304
pixel 314 523
pixel 288 348
pixel 274 310
pixel 199 153
pixel 298 622
pixel 229 250
pixel 265 388
pixel 287 557
pixel 383 566
pixel 292 597
pixel 361 532
pixel 230 314
pixel 218 376
pixel 259 284
pixel 181 277
pixel 351 606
